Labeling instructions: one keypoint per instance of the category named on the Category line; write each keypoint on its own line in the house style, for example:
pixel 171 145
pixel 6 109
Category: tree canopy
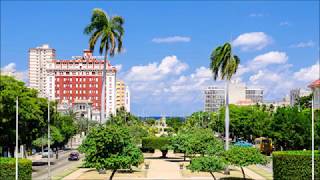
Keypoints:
pixel 110 147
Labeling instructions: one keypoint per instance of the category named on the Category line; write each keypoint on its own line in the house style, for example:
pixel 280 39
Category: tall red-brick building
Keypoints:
pixel 79 80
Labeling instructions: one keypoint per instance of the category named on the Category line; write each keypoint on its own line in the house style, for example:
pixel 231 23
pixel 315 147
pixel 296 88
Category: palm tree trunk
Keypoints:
pixel 103 91
pixel 244 175
pixel 227 117
pixel 213 175
pixel 112 174
pixel 226 171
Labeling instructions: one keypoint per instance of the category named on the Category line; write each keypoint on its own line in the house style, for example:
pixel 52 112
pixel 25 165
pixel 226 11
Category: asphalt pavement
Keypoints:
pixel 57 167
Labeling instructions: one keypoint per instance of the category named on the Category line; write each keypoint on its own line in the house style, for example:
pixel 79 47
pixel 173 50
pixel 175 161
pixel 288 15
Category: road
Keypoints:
pixel 59 167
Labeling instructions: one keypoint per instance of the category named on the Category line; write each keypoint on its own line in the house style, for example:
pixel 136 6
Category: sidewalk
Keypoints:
pixel 163 168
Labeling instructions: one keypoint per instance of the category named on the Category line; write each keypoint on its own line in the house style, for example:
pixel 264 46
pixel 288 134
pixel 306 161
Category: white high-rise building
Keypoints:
pixel 214 98
pixel 39 58
pixel 239 94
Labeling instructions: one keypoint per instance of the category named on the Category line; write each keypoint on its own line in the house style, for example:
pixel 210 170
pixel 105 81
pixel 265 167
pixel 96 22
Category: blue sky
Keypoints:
pixel 278 43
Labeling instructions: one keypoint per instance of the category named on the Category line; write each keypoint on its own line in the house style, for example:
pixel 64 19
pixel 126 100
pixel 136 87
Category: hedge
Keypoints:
pixel 294 165
pixel 161 143
pixel 8 168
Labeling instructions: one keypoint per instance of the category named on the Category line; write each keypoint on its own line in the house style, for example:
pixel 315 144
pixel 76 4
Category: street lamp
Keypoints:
pixel 315 86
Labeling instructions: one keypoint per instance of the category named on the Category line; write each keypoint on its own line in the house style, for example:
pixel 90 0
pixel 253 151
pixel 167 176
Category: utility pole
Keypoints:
pixel 17 128
pixel 49 151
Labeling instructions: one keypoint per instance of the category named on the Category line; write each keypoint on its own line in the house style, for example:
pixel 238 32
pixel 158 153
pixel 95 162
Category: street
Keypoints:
pixel 59 166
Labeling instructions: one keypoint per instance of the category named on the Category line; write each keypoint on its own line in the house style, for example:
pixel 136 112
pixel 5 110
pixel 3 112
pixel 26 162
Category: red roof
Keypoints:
pixel 315 84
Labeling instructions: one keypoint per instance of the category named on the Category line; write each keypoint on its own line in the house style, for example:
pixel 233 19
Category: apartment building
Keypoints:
pixel 39 58
pixel 214 98
pixel 239 94
pixel 122 95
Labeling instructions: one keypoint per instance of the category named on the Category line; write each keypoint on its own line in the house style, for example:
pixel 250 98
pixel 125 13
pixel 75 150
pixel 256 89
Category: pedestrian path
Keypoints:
pixel 163 168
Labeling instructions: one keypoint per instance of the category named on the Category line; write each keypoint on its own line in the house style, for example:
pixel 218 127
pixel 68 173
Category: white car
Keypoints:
pixel 45 153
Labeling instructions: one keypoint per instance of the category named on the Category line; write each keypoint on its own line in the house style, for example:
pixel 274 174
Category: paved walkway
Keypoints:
pixel 163 168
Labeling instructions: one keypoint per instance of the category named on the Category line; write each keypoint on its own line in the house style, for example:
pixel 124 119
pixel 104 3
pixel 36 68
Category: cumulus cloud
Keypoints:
pixel 154 71
pixel 272 57
pixel 10 70
pixel 252 41
pixel 118 67
pixel 303 44
pixel 171 39
pixel 308 74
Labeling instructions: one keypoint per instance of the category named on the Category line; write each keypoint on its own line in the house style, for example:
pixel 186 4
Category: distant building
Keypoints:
pixel 214 98
pixel 39 58
pixel 279 103
pixel 122 95
pixel 239 94
pixel 295 94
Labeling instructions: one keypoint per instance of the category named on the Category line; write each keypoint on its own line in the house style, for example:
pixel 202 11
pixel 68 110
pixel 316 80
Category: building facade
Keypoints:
pixel 122 95
pixel 39 58
pixel 239 94
pixel 214 98
pixel 80 79
pixel 295 94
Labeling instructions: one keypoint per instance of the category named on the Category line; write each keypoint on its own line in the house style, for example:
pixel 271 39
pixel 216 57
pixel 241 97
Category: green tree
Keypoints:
pixel 209 164
pixel 32 118
pixel 110 30
pixel 197 141
pixel 244 156
pixel 224 64
pixel 291 128
pixel 110 147
pixel 304 102
pixel 123 117
pixel 174 122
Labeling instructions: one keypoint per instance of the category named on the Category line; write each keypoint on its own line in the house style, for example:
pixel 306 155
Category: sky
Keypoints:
pixel 167 45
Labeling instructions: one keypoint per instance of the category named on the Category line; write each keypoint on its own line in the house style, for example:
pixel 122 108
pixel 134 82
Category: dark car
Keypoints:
pixel 74 156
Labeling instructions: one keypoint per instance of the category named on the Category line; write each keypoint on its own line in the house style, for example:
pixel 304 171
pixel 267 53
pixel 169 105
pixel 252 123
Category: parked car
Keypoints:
pixel 242 143
pixel 74 156
pixel 45 153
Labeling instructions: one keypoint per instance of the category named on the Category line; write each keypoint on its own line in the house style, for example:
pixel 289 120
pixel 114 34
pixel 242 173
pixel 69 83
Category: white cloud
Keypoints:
pixel 118 67
pixel 256 15
pixel 171 39
pixel 154 71
pixel 272 57
pixel 252 41
pixel 10 70
pixel 308 74
pixel 303 44
pixel 284 23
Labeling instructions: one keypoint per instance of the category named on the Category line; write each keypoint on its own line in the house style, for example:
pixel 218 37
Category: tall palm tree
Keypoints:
pixel 224 65
pixel 110 31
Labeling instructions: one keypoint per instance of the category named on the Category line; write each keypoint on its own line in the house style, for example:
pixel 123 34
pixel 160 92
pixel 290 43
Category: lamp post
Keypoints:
pixel 315 104
pixel 17 128
pixel 49 164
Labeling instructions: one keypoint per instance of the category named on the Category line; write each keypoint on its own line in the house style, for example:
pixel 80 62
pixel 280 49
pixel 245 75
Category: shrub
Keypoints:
pixel 161 143
pixel 209 164
pixel 294 164
pixel 244 156
pixel 8 168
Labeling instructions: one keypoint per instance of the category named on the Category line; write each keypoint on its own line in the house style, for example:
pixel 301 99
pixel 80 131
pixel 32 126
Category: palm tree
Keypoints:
pixel 110 32
pixel 224 65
